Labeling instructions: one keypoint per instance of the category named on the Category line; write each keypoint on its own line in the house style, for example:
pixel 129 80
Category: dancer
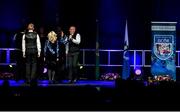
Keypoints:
pixel 51 54
pixel 72 52
pixel 31 48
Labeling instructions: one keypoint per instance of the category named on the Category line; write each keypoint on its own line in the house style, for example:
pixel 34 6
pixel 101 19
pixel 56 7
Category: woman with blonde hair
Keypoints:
pixel 51 54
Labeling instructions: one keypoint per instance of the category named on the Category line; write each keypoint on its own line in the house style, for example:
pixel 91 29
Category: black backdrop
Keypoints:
pixel 111 14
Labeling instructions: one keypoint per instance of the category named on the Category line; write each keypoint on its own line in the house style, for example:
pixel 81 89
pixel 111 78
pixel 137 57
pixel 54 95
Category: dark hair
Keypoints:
pixel 73 26
pixel 58 31
pixel 31 24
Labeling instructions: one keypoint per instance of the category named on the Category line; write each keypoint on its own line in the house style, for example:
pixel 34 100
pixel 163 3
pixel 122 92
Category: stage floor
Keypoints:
pixel 45 83
pixel 85 94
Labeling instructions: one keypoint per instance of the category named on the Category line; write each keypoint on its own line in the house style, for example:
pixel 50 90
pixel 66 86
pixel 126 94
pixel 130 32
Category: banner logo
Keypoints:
pixel 163 46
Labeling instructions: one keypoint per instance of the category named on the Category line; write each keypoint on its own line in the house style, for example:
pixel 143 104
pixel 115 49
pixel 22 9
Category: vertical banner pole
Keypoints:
pixel 97 50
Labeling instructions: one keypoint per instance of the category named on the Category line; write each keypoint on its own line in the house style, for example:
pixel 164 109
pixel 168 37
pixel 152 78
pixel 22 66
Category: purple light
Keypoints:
pixel 45 70
pixel 138 72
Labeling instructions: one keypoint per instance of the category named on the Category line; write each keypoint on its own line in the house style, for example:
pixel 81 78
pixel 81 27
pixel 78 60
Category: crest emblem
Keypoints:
pixel 163 46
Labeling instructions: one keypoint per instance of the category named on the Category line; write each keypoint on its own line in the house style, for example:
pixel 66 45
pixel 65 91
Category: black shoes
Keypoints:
pixel 53 82
pixel 27 82
pixel 72 81
pixel 69 82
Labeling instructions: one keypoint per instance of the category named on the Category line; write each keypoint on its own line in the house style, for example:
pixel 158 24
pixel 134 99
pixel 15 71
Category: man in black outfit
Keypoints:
pixel 62 57
pixel 31 48
pixel 72 52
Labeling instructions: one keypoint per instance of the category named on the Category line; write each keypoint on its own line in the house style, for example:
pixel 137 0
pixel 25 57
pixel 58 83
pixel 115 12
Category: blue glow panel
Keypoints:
pixel 16 83
pixel 138 58
pixel 8 56
pixel 1 82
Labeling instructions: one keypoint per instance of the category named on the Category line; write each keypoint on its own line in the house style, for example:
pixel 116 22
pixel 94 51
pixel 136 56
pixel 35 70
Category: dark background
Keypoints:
pixel 112 14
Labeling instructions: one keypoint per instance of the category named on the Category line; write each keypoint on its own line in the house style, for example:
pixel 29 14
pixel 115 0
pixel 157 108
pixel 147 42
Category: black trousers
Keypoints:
pixel 72 64
pixel 51 69
pixel 51 65
pixel 61 73
pixel 31 65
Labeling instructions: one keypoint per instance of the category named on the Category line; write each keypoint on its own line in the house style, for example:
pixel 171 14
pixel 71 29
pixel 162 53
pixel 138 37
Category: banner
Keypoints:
pixel 97 71
pixel 163 49
pixel 126 63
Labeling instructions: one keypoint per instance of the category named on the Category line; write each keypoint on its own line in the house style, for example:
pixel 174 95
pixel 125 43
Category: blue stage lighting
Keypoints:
pixel 1 82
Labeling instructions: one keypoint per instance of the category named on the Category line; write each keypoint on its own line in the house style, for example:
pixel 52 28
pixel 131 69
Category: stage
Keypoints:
pixel 87 94
pixel 45 83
